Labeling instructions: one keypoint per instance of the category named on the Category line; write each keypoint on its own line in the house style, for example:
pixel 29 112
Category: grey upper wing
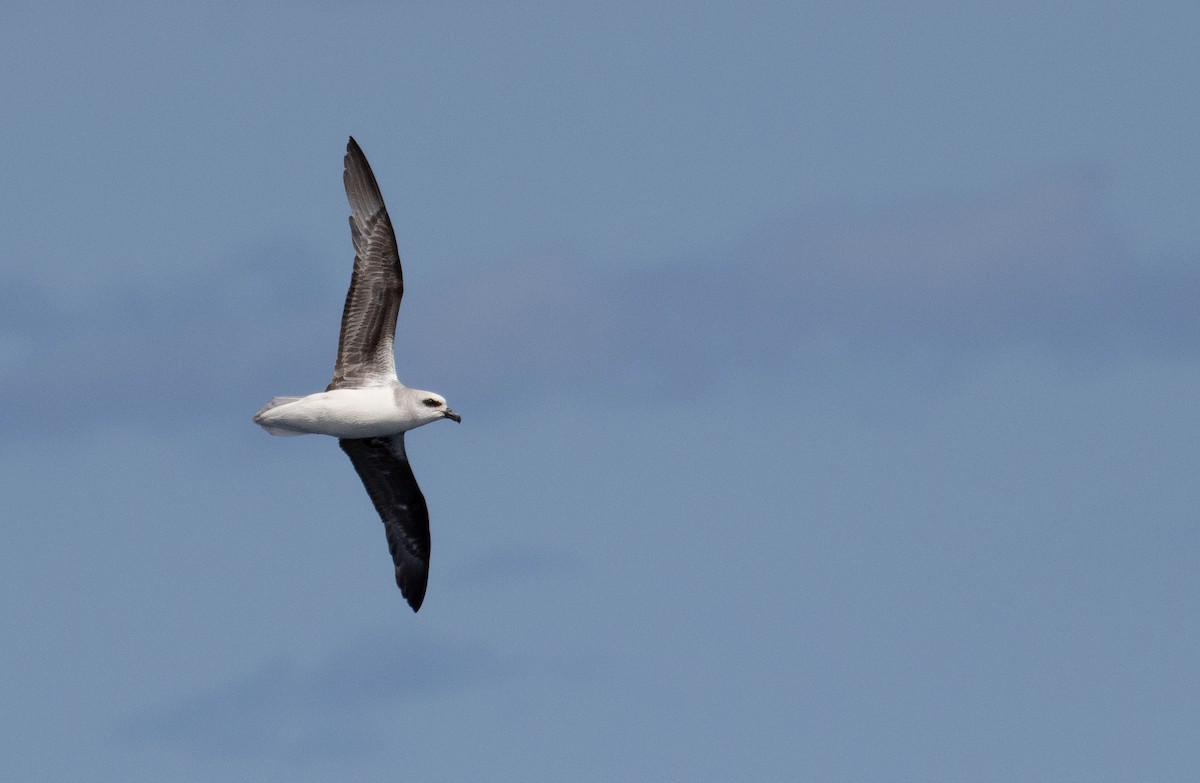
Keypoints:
pixel 365 352
pixel 383 467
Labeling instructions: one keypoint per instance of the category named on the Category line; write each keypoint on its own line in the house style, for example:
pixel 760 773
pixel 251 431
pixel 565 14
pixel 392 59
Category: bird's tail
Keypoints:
pixel 262 421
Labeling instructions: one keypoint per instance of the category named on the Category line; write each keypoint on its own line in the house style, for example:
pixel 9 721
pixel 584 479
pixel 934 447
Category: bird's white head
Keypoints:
pixel 425 406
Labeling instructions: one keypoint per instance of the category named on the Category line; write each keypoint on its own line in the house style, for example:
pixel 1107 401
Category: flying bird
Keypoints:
pixel 365 406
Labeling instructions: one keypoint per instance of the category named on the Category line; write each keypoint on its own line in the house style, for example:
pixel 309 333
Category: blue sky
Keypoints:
pixel 828 375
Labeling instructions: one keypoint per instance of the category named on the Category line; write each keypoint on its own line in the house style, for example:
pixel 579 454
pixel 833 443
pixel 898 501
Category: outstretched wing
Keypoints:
pixel 365 352
pixel 383 467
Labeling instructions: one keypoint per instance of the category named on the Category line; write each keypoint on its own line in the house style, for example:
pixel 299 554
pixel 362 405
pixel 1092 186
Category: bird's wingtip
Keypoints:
pixel 412 587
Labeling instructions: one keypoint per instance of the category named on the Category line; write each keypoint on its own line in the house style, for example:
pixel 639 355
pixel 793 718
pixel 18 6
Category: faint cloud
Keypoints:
pixel 322 709
pixel 528 563
pixel 933 285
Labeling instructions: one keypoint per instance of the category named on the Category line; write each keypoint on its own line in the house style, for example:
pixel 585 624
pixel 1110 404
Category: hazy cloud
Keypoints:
pixel 283 706
pixel 1039 265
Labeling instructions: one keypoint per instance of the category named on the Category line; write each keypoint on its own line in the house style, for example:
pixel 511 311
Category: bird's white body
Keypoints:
pixel 363 412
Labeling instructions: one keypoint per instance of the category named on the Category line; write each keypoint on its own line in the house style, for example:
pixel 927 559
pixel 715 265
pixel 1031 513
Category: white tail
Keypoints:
pixel 275 402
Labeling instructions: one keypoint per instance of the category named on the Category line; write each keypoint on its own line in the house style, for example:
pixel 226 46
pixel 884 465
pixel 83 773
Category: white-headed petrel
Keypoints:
pixel 365 406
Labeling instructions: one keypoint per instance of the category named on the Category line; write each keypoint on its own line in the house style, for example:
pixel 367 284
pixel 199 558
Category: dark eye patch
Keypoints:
pixel 430 402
